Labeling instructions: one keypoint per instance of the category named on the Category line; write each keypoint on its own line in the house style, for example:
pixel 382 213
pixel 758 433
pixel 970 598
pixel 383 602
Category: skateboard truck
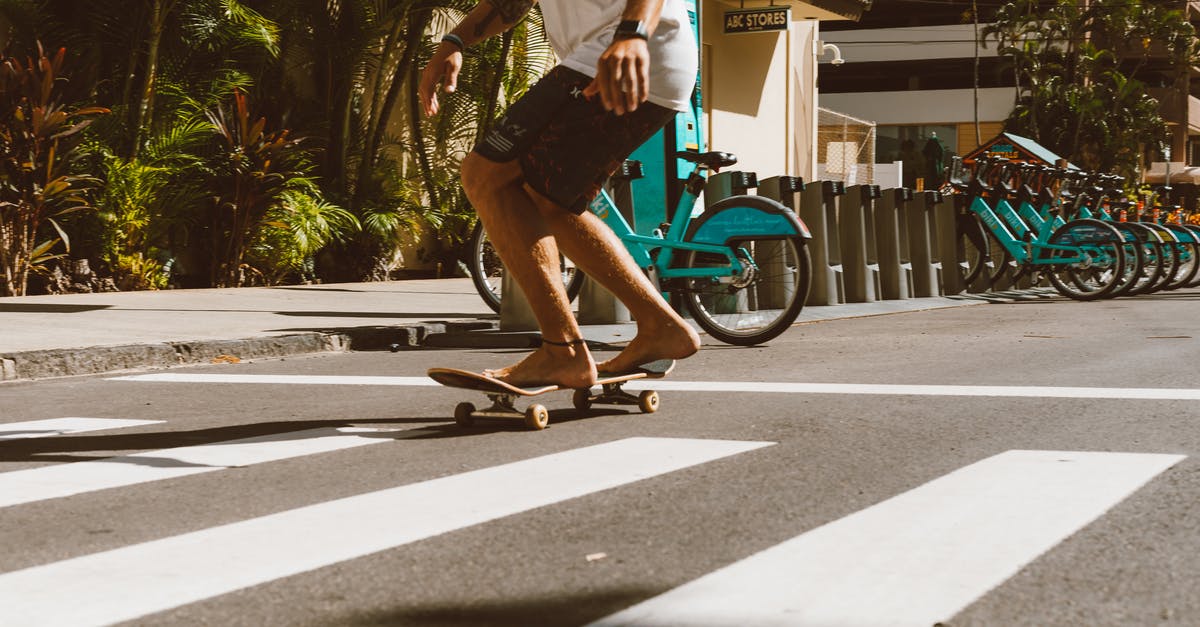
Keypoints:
pixel 504 407
pixel 612 394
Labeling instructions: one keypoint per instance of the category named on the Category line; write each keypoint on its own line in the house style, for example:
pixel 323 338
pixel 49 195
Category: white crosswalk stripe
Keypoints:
pixel 126 583
pixel 39 484
pixel 915 559
pixel 63 426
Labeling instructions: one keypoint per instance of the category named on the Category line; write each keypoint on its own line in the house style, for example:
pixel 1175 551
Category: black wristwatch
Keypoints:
pixel 631 29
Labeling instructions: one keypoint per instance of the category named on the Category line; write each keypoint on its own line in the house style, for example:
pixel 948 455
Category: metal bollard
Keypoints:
pixel 725 184
pixel 597 305
pixel 775 294
pixel 891 242
pixel 818 210
pixel 856 225
pixel 515 312
pixel 921 244
pixel 950 249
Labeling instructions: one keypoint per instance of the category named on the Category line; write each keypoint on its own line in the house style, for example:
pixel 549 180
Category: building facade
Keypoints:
pixel 915 69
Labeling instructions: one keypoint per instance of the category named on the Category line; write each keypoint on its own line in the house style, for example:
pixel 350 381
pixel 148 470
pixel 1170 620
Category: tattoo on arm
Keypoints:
pixel 509 11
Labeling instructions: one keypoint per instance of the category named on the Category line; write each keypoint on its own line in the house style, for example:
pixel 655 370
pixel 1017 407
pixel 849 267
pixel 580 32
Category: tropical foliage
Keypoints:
pixel 1075 66
pixel 260 141
pixel 39 138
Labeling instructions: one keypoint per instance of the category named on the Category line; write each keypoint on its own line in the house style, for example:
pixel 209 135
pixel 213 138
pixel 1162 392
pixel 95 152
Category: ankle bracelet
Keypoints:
pixel 575 342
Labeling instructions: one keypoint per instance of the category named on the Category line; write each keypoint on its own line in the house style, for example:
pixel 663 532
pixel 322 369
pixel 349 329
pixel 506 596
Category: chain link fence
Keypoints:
pixel 845 148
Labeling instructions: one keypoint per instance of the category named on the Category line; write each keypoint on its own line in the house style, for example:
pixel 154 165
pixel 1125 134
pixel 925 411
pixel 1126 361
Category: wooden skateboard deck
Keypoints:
pixel 504 396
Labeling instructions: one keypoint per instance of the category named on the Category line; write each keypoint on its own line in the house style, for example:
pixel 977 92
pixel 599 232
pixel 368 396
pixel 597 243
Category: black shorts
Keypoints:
pixel 567 144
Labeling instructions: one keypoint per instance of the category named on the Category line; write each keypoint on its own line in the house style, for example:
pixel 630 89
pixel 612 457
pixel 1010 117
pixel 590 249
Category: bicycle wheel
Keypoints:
pixel 973 246
pixel 1135 258
pixel 487 271
pixel 1195 231
pixel 1189 248
pixel 758 304
pixel 1094 268
pixel 1158 261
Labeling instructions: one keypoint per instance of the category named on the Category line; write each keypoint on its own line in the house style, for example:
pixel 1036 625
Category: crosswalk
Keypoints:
pixel 914 559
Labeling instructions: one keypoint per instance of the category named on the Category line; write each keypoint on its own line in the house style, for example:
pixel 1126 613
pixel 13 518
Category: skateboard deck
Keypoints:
pixel 536 416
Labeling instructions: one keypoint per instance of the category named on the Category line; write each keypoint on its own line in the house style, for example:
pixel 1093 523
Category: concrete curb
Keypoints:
pixel 43 364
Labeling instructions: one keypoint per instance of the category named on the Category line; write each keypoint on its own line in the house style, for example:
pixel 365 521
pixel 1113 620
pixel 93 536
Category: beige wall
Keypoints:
pixel 759 95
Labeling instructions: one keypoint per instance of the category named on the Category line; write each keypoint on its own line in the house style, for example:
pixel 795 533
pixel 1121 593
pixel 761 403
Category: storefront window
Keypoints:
pixel 906 144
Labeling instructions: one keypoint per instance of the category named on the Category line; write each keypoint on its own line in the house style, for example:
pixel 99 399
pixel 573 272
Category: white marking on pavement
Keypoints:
pixel 277 379
pixel 62 426
pixel 130 582
pixel 918 558
pixel 49 482
pixel 661 385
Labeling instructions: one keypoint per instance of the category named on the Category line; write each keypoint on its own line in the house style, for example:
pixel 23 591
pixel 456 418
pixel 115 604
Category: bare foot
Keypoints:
pixel 674 341
pixel 566 366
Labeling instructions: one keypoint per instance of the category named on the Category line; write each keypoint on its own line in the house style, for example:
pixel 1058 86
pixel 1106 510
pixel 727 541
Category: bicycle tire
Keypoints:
pixel 1189 266
pixel 973 246
pixel 1195 231
pixel 1135 258
pixel 1101 275
pixel 487 271
pixel 1188 247
pixel 732 311
pixel 1159 265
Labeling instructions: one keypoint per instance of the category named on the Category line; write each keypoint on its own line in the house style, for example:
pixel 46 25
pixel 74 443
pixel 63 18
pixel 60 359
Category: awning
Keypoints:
pixel 1016 148
pixel 1180 173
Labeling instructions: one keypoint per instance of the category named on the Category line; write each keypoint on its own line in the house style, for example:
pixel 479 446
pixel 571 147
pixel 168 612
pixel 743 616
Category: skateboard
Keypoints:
pixel 504 396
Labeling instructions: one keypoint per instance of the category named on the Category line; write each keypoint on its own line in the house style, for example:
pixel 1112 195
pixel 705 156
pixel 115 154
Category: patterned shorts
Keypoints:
pixel 567 144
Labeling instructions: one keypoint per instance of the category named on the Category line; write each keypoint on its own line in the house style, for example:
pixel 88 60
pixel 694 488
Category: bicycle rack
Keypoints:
pixel 786 190
pixel 515 312
pixel 926 268
pixel 597 305
pixel 860 262
pixel 946 233
pixel 818 207
pixel 891 242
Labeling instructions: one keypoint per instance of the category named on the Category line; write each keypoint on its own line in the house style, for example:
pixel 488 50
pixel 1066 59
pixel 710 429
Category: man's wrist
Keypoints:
pixel 631 29
pixel 455 41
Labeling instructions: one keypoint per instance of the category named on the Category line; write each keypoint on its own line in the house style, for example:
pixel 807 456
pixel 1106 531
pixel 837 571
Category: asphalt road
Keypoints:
pixel 938 466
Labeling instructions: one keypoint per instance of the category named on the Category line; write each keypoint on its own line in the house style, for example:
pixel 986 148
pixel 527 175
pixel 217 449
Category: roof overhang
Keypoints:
pixel 811 9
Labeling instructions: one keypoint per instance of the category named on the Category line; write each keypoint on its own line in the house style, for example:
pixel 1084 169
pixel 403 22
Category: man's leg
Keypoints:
pixel 515 227
pixel 598 252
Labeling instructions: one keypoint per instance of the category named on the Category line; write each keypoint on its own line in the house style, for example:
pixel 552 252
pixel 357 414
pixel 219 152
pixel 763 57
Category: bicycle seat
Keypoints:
pixel 712 160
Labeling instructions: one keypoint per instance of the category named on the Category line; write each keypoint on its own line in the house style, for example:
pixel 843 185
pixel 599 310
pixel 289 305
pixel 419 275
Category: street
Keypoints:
pixel 916 468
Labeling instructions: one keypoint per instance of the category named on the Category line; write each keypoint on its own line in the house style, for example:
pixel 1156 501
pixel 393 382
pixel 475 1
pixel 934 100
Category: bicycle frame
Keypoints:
pixel 1023 245
pixel 676 238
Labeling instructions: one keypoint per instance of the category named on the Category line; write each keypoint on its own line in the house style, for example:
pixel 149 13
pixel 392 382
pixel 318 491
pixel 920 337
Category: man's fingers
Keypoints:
pixel 608 95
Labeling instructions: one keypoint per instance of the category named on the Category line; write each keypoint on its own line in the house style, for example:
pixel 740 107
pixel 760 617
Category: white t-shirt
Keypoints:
pixel 581 30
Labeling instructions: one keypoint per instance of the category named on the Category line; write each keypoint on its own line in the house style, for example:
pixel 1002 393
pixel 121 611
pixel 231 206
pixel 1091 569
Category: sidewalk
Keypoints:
pixel 50 336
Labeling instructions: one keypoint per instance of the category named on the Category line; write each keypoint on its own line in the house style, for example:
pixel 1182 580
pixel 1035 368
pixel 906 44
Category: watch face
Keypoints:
pixel 632 28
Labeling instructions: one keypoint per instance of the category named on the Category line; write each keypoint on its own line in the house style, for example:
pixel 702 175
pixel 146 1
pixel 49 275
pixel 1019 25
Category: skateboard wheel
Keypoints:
pixel 582 400
pixel 648 401
pixel 464 414
pixel 536 417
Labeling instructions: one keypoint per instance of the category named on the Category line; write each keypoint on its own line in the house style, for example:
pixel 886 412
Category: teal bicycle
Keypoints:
pixel 1083 259
pixel 740 267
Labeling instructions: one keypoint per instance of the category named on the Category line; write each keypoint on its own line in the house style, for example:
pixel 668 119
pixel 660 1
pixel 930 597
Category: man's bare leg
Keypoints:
pixel 515 227
pixel 597 251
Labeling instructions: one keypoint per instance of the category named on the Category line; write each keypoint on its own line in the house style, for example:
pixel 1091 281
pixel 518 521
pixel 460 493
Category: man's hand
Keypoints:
pixel 443 69
pixel 622 76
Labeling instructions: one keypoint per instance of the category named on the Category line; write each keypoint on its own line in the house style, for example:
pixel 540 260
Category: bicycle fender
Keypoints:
pixel 1185 236
pixel 740 217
